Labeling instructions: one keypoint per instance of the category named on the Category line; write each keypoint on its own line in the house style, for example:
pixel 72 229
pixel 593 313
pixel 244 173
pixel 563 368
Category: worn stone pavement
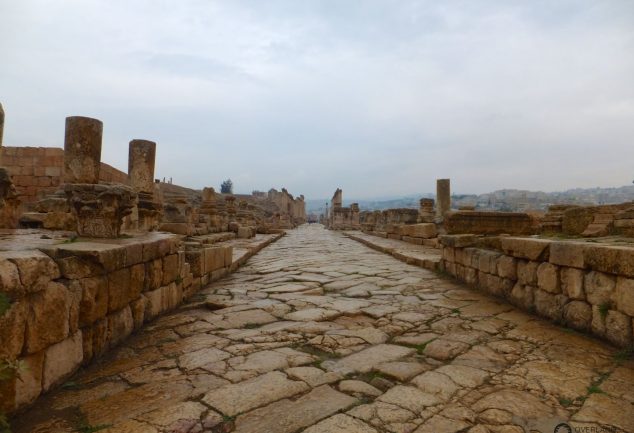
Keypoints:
pixel 320 334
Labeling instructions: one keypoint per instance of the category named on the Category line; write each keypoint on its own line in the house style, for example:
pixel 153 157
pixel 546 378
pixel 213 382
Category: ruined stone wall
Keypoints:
pixel 38 171
pixel 585 286
pixel 72 302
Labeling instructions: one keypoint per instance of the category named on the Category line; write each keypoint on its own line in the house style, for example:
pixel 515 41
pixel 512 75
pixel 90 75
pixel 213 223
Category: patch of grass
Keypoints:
pixel 71 239
pixel 420 348
pixel 320 354
pixel 5 427
pixel 125 236
pixel 178 279
pixel 594 389
pixel 456 310
pixel 5 303
pixel 622 355
pixel 11 369
pixel 228 418
pixel 82 426
pixel 603 310
pixel 565 402
pixel 251 326
pixel 70 385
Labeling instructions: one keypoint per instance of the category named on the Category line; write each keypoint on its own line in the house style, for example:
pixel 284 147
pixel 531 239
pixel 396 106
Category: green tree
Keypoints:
pixel 226 187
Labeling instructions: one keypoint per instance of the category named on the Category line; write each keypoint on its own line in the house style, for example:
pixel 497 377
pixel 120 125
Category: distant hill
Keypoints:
pixel 504 199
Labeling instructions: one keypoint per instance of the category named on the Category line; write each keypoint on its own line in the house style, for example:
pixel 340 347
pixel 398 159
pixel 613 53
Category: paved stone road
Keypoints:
pixel 320 334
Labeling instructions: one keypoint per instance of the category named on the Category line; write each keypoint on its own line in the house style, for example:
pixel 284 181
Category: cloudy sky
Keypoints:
pixel 376 97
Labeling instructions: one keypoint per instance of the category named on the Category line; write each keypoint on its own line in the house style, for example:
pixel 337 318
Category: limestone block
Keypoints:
pixel 599 288
pixel 104 256
pixel 568 254
pixel 75 267
pixel 137 278
pixel 155 304
pixel 507 267
pixel 228 256
pixel 625 295
pixel 578 315
pixel 10 283
pixel 94 301
pixel 100 337
pixel 471 276
pixel 549 305
pixel 23 390
pixel 196 261
pixel 527 272
pixel 488 262
pixel 449 254
pixel 411 240
pixel 610 259
pixel 35 268
pixel 618 328
pixel 424 230
pixel 75 293
pixel 458 241
pixel 153 274
pixel 245 232
pixel 151 251
pixel 170 268
pixel 12 326
pixel 133 253
pixel 61 360
pixel 120 325
pixel 523 296
pixel 526 248
pixel 138 311
pixel 598 321
pixel 572 283
pixel 548 278
pixel 118 289
pixel 48 317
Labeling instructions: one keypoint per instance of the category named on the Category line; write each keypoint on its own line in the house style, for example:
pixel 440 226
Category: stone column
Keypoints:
pixel 9 202
pixel 141 158
pixel 426 210
pixel 98 209
pixel 443 197
pixel 82 150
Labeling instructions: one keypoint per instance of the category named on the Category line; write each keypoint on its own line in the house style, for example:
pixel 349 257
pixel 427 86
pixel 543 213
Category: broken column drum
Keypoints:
pixel 141 162
pixel 443 197
pixel 98 209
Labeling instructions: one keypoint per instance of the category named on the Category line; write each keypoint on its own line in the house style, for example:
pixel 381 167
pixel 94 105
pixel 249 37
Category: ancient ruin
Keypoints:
pixel 128 304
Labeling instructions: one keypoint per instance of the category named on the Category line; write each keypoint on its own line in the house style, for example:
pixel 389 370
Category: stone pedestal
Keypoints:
pixel 443 198
pixel 426 210
pixel 99 209
pixel 82 150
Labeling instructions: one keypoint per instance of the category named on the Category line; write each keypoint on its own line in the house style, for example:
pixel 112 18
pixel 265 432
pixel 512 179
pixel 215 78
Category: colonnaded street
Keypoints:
pixel 320 334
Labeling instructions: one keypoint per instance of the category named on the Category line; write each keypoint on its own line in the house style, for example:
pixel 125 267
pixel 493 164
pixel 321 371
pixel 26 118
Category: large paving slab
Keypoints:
pixel 318 333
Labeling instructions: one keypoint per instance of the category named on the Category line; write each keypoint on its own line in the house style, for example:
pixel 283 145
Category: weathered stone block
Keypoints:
pixel 94 302
pixel 625 295
pixel 458 241
pixel 523 296
pixel 118 289
pixel 10 283
pixel 153 274
pixel 12 326
pixel 572 283
pixel 196 261
pixel 618 328
pixel 578 315
pixel 526 248
pixel 36 269
pixel 137 279
pixel 568 254
pixel 599 288
pixel 598 320
pixel 133 253
pixel 138 311
pixel 170 268
pixel 100 337
pixel 120 325
pixel 47 320
pixel 549 305
pixel 449 254
pixel 610 259
pixel 527 272
pixel 507 267
pixel 75 267
pixel 23 390
pixel 424 231
pixel 548 278
pixel 471 276
pixel 228 251
pixel 488 262
pixel 61 360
